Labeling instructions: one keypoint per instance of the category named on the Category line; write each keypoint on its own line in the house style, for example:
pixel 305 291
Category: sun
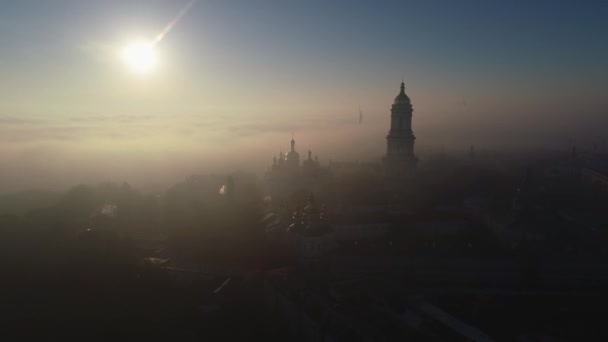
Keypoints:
pixel 140 56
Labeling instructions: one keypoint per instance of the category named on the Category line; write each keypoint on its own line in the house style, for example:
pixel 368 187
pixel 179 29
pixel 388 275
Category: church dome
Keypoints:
pixel 402 98
pixel 292 155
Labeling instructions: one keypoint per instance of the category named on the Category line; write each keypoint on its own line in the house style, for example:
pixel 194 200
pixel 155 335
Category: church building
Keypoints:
pixel 288 174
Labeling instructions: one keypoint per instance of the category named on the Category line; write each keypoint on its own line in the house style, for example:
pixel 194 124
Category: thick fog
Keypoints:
pixel 153 152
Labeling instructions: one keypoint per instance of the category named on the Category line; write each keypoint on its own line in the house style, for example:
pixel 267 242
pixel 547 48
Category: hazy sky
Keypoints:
pixel 234 78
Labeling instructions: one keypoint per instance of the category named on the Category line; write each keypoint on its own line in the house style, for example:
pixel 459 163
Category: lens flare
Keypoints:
pixel 172 23
pixel 142 56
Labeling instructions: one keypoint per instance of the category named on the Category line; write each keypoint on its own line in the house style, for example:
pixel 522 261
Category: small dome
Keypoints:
pixel 402 98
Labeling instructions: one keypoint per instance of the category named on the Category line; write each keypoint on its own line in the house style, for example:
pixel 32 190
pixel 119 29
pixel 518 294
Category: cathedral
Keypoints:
pixel 290 161
pixel 287 174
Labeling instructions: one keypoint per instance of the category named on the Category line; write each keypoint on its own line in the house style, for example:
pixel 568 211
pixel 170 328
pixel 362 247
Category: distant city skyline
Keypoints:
pixel 233 79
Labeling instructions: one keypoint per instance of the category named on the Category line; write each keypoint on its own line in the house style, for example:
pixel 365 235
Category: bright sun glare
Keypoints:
pixel 140 56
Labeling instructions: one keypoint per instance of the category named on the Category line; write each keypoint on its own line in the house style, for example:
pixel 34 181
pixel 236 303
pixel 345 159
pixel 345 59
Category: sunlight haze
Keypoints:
pixel 232 80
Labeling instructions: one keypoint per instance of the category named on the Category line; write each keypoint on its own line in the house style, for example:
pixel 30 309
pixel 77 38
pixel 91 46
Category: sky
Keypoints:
pixel 235 78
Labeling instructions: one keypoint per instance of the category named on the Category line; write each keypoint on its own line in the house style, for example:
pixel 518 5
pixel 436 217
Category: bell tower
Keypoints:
pixel 400 159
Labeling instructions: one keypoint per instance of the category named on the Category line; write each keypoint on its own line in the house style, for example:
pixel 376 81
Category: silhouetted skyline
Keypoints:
pixel 233 79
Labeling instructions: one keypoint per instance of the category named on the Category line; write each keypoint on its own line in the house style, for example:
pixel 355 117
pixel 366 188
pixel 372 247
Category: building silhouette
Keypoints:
pixel 400 160
pixel 288 173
